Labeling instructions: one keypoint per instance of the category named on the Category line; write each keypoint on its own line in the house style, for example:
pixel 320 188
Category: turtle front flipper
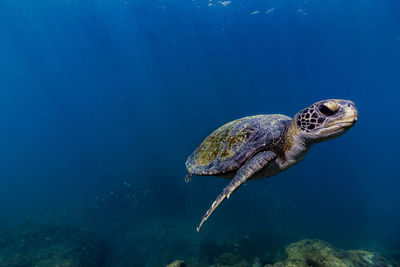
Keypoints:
pixel 252 166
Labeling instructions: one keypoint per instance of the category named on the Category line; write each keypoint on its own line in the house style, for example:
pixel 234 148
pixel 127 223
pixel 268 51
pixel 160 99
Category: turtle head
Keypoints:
pixel 326 119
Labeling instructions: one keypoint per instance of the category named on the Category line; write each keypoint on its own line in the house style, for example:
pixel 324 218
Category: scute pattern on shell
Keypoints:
pixel 223 143
pixel 228 147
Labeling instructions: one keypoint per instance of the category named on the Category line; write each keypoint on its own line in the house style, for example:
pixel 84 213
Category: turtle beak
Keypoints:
pixel 350 114
pixel 356 116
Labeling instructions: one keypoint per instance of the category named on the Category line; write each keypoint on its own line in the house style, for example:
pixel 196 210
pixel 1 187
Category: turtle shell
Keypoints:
pixel 231 145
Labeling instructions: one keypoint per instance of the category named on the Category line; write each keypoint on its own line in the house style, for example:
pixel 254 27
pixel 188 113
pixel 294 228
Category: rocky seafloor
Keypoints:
pixel 66 246
pixel 49 246
pixel 305 253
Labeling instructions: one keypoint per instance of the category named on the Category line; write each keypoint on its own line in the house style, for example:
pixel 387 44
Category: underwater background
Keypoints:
pixel 102 101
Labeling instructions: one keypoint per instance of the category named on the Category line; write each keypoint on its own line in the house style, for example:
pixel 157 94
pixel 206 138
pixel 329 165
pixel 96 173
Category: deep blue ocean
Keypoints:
pixel 102 101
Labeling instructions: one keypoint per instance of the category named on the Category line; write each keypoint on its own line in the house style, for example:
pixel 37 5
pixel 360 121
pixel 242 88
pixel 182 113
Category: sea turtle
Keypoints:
pixel 264 145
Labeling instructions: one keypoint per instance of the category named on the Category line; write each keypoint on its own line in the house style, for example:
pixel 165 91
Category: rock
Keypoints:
pixel 321 254
pixel 305 253
pixel 366 258
pixel 42 246
pixel 177 263
pixel 228 259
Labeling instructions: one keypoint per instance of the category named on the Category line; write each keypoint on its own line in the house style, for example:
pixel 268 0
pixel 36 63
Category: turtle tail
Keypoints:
pixel 188 177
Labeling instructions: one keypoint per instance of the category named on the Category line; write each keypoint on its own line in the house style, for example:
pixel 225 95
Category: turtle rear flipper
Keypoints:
pixel 251 167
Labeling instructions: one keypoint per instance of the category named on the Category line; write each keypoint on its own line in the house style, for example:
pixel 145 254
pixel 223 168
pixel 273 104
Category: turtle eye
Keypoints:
pixel 329 109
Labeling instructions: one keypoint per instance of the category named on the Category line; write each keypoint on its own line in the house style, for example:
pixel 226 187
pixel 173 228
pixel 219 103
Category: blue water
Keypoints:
pixel 101 102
